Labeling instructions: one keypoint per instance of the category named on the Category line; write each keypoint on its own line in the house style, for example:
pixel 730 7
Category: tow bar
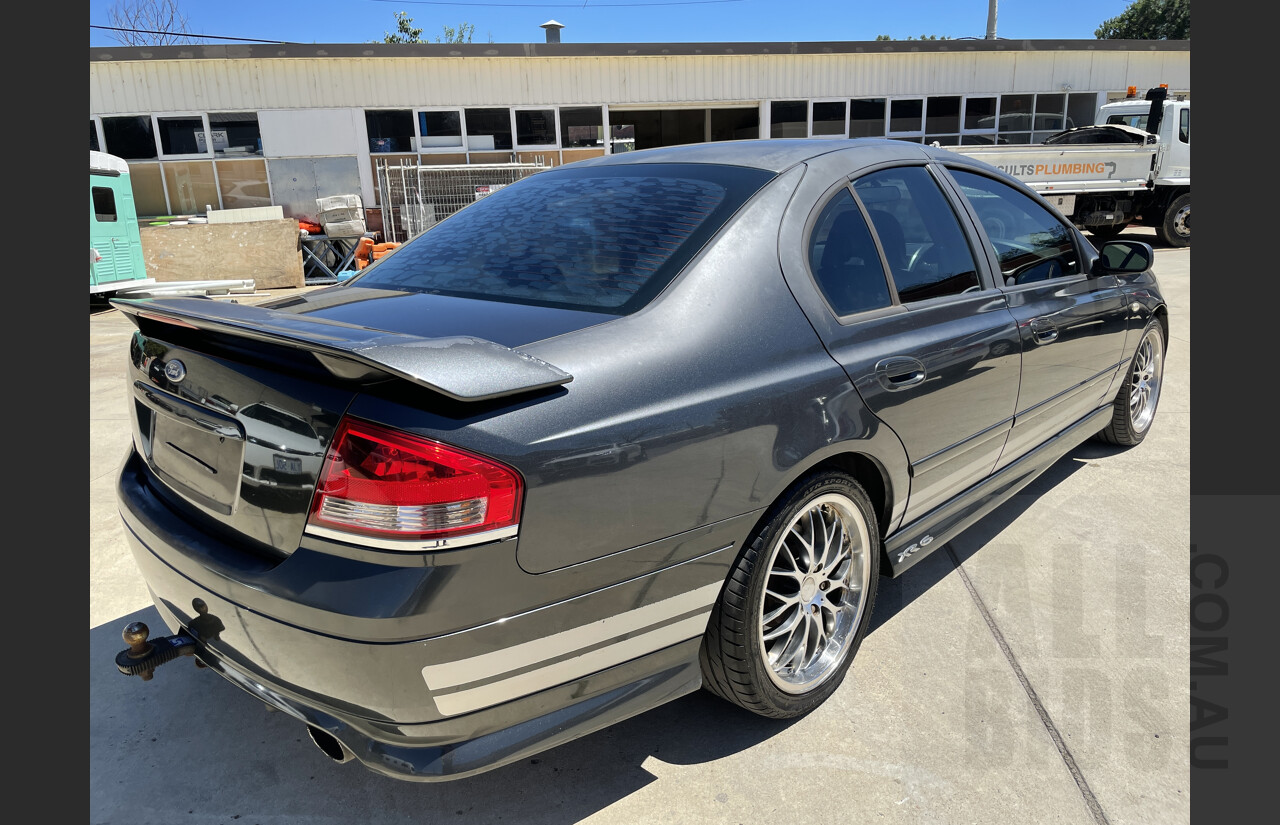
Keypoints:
pixel 144 654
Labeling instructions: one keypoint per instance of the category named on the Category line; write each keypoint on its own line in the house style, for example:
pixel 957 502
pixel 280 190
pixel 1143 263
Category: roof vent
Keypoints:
pixel 553 30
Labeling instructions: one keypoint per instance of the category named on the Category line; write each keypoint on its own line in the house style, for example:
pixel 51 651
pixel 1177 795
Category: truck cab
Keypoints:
pixel 1133 166
pixel 1173 164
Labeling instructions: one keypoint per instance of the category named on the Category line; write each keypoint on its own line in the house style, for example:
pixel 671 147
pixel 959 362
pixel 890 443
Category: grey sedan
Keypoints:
pixel 625 429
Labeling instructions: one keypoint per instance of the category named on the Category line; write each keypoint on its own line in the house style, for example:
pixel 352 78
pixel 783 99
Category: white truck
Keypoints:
pixel 1133 165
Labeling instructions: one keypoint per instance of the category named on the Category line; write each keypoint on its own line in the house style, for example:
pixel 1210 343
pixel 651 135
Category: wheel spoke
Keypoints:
pixel 806 546
pixel 837 549
pixel 772 616
pixel 819 634
pixel 838 559
pixel 794 647
pixel 829 617
pixel 787 626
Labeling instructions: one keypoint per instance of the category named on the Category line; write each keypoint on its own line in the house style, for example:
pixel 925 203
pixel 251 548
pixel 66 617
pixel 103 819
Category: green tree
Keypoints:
pixel 406 33
pixel 1149 20
pixel 921 37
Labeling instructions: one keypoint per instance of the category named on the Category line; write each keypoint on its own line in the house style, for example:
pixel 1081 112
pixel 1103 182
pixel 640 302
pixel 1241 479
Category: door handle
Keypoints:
pixel 899 372
pixel 1043 331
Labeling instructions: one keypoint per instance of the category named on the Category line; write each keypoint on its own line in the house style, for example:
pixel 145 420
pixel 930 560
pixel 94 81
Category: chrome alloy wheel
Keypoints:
pixel 1145 380
pixel 815 593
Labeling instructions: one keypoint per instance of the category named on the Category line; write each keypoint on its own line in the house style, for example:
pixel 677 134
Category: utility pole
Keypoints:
pixel 991 19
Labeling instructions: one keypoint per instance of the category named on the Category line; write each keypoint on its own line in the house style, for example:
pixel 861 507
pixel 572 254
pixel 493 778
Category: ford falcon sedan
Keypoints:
pixel 626 429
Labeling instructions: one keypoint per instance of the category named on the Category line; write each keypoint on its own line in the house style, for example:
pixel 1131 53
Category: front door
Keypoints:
pixel 1071 326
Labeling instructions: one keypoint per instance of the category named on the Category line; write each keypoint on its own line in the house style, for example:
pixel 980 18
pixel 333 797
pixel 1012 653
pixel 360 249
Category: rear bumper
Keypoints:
pixel 435 752
pixel 306 636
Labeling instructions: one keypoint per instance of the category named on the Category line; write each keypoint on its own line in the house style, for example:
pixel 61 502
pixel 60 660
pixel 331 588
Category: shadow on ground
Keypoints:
pixel 895 594
pixel 193 725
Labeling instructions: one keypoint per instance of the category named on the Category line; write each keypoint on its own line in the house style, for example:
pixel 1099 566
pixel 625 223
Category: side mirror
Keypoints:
pixel 1123 257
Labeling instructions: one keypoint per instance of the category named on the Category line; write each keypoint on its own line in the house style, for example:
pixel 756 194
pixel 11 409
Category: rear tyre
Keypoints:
pixel 1135 406
pixel 1175 225
pixel 797 602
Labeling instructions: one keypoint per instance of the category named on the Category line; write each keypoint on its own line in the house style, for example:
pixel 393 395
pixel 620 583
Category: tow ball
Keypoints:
pixel 145 654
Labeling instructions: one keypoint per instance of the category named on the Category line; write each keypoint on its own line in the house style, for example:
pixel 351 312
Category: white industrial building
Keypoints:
pixel 231 126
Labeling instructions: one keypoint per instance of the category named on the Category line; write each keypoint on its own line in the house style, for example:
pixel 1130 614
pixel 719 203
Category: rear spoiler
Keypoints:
pixel 465 369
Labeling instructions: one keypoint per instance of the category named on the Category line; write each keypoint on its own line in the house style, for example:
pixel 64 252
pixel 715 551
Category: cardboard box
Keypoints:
pixel 340 209
pixel 338 202
pixel 344 229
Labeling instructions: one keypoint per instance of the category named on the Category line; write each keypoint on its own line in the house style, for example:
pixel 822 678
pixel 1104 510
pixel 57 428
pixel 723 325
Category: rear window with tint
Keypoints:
pixel 603 239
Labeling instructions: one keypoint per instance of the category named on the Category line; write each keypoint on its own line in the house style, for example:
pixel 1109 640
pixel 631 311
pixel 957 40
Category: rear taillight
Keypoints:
pixel 381 482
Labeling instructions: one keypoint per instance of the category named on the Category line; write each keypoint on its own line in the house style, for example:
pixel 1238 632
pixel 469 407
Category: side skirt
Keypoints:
pixel 918 539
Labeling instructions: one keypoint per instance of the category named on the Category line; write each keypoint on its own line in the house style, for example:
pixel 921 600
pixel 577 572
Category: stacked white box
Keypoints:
pixel 342 216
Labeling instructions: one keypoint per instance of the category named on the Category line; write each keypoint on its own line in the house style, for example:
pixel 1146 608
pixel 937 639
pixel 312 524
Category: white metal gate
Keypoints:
pixel 415 197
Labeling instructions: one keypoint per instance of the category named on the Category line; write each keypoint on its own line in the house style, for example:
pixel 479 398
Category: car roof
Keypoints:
pixel 771 155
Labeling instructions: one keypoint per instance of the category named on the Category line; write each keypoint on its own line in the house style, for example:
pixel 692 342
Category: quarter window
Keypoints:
pixel 923 243
pixel 1030 243
pixel 844 260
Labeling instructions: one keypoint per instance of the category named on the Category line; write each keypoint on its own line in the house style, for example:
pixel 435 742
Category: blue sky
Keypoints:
pixel 609 21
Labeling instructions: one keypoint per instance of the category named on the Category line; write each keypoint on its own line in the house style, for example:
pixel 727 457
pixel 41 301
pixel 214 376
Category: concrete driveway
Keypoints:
pixel 1033 671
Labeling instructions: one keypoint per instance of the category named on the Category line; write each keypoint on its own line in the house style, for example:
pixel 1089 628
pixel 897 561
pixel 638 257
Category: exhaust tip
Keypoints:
pixel 329 744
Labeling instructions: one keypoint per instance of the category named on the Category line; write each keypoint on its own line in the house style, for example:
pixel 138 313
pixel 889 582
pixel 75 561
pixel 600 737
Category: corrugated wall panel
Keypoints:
pixel 1109 72
pixel 1031 73
pixel 189 85
pixel 993 76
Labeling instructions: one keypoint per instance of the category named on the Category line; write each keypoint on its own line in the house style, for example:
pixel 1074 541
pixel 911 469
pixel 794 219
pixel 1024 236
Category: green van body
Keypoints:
pixel 115 244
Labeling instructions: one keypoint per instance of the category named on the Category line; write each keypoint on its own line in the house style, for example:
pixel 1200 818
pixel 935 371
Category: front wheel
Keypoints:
pixel 1175 225
pixel 1135 405
pixel 797 602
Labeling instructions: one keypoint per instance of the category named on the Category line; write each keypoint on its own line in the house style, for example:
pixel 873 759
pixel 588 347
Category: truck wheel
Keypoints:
pixel 1175 226
pixel 797 601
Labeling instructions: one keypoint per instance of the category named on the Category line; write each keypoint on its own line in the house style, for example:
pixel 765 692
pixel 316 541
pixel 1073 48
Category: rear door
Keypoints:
pixel 922 333
pixel 1071 326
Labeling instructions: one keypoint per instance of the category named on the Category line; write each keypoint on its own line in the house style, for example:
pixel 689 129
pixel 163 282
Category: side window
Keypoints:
pixel 923 243
pixel 104 204
pixel 844 260
pixel 1184 126
pixel 1030 243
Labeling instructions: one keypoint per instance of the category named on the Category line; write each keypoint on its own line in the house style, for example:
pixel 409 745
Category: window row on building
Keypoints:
pixel 186 162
